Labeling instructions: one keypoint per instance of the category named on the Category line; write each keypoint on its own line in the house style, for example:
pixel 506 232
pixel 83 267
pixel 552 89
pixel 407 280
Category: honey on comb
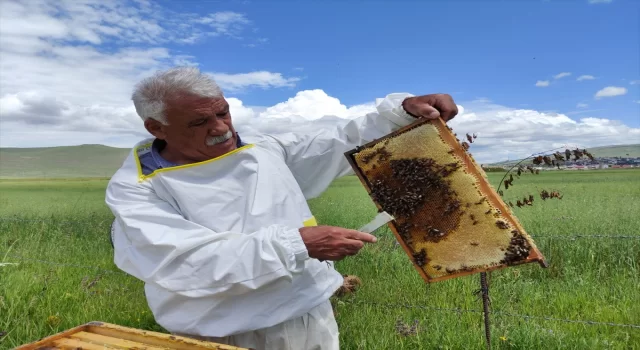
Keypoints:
pixel 448 219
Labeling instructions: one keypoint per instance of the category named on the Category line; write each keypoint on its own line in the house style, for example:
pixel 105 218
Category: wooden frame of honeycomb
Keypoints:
pixel 448 218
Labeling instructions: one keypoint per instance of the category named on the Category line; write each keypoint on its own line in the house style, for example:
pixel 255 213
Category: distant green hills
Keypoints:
pixel 631 150
pixel 61 162
pixel 102 161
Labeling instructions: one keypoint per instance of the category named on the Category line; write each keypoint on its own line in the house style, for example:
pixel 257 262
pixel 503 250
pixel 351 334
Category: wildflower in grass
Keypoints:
pixel 503 338
pixel 53 321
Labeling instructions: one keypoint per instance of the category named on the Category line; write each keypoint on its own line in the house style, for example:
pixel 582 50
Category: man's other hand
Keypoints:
pixel 333 243
pixel 431 106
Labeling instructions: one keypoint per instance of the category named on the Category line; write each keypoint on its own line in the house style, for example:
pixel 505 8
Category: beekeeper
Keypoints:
pixel 218 228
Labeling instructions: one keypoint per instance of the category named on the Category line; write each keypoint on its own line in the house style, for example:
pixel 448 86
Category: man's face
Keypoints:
pixel 197 129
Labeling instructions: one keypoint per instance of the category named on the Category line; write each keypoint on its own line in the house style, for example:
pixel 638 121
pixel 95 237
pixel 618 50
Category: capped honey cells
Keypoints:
pixel 448 218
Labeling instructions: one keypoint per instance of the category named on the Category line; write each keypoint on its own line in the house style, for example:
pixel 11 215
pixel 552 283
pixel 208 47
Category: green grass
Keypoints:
pixel 57 233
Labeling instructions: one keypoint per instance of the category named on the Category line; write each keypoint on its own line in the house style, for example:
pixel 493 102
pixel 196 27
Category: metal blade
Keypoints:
pixel 380 219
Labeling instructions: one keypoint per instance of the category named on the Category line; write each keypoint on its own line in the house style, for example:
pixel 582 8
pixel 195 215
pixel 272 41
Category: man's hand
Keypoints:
pixel 333 243
pixel 431 106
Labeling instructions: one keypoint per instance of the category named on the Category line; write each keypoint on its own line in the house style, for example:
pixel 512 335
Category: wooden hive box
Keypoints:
pixel 102 336
pixel 448 218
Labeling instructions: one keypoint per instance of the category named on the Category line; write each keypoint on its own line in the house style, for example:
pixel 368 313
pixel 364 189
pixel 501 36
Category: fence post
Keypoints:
pixel 484 289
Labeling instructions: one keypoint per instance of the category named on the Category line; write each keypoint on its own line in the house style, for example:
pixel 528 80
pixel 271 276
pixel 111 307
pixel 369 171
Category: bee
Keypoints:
pixel 465 145
pixel 555 194
pixel 510 204
pixel 481 201
pixel 558 156
pixel 589 154
pixel 501 224
pixel 577 153
pixel 475 135
pixel 537 160
pixel 469 138
pixel 420 257
pixel 544 194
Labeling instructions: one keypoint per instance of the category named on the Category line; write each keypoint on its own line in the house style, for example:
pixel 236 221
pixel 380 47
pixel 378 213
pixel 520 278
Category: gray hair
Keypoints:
pixel 151 94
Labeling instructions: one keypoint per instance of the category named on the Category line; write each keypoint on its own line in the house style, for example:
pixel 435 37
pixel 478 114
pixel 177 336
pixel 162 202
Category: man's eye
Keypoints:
pixel 200 122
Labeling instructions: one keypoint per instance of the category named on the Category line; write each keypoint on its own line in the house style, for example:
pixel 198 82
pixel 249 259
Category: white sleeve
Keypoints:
pixel 317 159
pixel 154 243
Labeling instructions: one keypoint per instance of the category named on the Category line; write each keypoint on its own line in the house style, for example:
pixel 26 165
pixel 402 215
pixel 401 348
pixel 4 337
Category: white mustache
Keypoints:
pixel 213 140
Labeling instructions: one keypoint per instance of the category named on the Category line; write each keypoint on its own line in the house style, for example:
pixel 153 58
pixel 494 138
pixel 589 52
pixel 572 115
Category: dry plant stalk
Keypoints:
pixel 449 220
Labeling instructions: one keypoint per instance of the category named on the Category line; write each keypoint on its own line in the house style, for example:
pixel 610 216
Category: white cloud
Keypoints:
pixel 56 74
pixel 262 79
pixel 585 77
pixel 313 105
pixel 542 83
pixel 610 91
pixel 582 105
pixel 516 133
pixel 501 129
pixel 561 75
pixel 634 82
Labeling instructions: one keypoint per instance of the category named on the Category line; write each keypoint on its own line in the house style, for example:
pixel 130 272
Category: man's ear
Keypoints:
pixel 155 128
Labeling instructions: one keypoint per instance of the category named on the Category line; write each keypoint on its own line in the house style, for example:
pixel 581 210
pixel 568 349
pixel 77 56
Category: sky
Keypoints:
pixel 527 76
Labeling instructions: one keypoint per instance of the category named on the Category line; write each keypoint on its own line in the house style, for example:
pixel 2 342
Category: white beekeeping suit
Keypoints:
pixel 217 242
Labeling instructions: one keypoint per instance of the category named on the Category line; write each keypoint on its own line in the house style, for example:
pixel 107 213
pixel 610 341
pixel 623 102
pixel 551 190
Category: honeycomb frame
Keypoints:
pixel 502 237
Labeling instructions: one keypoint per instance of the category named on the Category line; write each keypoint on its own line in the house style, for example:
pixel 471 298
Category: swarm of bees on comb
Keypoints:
pixel 448 219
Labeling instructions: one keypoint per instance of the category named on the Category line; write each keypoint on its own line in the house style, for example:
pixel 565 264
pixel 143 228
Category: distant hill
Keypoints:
pixel 61 162
pixel 102 161
pixel 631 150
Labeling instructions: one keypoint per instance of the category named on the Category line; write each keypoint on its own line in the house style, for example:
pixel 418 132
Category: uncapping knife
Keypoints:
pixel 380 219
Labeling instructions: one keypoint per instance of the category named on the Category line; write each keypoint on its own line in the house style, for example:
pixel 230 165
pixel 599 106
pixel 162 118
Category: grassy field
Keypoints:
pixel 56 232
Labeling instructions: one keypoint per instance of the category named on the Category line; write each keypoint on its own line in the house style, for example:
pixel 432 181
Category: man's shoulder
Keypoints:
pixel 277 140
pixel 266 142
pixel 130 171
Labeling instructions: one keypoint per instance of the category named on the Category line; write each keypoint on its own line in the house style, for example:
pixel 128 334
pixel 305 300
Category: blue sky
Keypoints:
pixel 492 49
pixel 527 75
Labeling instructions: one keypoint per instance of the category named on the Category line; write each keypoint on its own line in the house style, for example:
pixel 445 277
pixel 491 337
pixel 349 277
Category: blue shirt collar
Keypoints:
pixel 158 145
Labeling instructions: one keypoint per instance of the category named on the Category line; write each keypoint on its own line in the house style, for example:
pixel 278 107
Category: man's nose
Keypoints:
pixel 218 127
